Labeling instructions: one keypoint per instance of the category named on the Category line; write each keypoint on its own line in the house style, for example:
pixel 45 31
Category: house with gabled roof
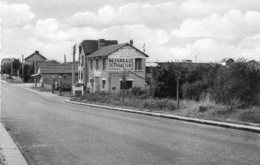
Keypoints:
pixel 50 72
pixel 86 48
pixel 35 57
pixel 109 66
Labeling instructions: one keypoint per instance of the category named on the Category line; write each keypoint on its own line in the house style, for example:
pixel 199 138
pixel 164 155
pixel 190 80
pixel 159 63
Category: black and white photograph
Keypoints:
pixel 130 82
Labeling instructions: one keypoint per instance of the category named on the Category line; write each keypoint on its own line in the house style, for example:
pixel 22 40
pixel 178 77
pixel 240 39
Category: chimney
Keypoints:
pixel 131 42
pixel 101 43
pixel 65 58
pixel 37 52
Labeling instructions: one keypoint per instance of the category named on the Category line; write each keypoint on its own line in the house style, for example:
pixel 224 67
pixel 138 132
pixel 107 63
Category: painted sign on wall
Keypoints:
pixel 118 74
pixel 117 64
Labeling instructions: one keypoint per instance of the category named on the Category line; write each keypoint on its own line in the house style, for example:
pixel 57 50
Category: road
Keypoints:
pixel 51 132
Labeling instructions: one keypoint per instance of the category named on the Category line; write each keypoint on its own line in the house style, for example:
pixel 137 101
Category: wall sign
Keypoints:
pixel 118 74
pixel 117 64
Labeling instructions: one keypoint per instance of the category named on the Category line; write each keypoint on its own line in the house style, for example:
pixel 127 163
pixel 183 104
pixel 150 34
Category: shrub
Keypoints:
pixel 159 104
pixel 137 91
pixel 202 108
pixel 252 115
pixel 236 85
pixel 195 91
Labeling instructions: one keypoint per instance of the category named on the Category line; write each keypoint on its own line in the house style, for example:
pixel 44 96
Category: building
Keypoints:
pixel 6 61
pixel 227 61
pixel 49 73
pixel 108 67
pixel 35 57
pixel 86 48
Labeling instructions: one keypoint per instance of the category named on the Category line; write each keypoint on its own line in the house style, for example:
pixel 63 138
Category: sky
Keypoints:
pixel 168 30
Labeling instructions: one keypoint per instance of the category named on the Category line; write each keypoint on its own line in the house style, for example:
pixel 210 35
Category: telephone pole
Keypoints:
pixel 123 84
pixel 35 71
pixel 73 62
pixel 178 76
pixel 22 69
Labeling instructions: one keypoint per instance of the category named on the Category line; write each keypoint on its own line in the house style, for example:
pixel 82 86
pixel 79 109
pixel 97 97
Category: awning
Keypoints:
pixel 34 75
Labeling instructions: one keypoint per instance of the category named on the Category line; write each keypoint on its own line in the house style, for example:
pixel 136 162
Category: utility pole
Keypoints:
pixel 123 84
pixel 22 69
pixel 35 70
pixel 73 74
pixel 11 68
pixel 178 76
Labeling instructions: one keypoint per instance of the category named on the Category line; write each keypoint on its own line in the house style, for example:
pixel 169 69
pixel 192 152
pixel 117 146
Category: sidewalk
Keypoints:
pixel 9 151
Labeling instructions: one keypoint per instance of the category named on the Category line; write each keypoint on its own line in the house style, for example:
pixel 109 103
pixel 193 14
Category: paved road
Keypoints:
pixel 51 132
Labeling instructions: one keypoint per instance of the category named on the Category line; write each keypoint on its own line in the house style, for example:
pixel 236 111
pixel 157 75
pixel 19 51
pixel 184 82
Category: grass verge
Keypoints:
pixel 205 109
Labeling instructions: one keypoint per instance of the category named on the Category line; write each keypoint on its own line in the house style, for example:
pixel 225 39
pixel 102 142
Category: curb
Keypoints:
pixel 170 116
pixel 10 150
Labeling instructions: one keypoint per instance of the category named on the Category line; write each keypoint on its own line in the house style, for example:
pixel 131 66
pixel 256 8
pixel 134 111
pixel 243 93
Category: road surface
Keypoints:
pixel 51 132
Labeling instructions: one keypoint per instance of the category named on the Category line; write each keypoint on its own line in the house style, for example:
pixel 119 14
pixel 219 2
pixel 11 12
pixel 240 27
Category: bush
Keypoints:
pixel 159 104
pixel 137 91
pixel 252 115
pixel 195 91
pixel 236 85
pixel 202 108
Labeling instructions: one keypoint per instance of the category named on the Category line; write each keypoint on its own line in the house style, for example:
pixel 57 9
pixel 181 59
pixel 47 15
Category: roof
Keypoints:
pixel 48 62
pixel 107 50
pixel 151 64
pixel 227 60
pixel 191 65
pixel 7 60
pixel 35 53
pixel 58 68
pixel 90 46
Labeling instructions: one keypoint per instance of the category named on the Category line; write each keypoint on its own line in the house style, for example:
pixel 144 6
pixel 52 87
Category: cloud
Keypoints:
pixel 16 15
pixel 159 15
pixel 171 30
pixel 233 26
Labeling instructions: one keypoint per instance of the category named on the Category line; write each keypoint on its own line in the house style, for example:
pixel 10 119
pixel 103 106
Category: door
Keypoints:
pixel 97 84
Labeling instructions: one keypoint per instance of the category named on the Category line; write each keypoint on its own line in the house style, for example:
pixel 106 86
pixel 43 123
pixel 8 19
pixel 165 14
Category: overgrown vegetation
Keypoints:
pixel 208 91
pixel 235 86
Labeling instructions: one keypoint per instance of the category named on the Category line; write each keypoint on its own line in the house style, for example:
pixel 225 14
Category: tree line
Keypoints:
pixel 16 68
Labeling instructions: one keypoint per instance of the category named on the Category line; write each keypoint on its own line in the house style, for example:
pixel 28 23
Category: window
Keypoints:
pixel 103 84
pixel 91 64
pixel 128 84
pixel 82 61
pixel 138 64
pixel 81 75
pixel 91 82
pixel 96 64
pixel 104 63
pixel 80 48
